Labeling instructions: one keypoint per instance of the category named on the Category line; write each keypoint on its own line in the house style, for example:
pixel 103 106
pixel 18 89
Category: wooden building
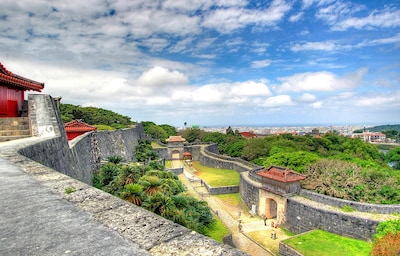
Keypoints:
pixel 12 92
pixel 76 128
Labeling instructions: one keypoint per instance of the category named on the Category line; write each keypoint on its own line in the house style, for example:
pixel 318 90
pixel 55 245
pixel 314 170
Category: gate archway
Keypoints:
pixel 175 155
pixel 271 208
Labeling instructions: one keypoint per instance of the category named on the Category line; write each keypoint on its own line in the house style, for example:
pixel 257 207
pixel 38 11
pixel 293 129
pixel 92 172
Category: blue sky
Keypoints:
pixel 213 62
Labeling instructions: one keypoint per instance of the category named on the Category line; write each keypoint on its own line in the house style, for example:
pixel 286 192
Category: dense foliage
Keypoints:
pixel 156 190
pixel 145 152
pixel 161 132
pixel 335 165
pixel 387 239
pixel 102 118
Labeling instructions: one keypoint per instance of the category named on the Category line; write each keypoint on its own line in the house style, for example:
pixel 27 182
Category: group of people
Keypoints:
pixel 273 226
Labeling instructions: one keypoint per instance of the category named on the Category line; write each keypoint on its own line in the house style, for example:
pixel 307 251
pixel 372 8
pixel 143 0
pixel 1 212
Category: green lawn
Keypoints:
pixel 322 243
pixel 218 230
pixel 156 145
pixel 233 200
pixel 168 164
pixel 216 177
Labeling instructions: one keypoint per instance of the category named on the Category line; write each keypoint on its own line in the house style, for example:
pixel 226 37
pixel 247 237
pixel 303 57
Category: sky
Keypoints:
pixel 213 62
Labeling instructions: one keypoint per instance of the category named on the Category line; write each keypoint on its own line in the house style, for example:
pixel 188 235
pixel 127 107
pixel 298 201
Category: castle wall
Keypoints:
pixel 302 217
pixel 210 157
pixel 48 157
pixel 358 206
pixel 249 192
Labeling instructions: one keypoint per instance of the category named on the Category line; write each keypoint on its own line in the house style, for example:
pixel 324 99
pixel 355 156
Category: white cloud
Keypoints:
pixel 306 97
pixel 317 104
pixel 387 18
pixel 316 46
pixel 160 77
pixel 277 101
pixel 320 81
pixel 296 17
pixel 228 19
pixel 379 100
pixel 261 63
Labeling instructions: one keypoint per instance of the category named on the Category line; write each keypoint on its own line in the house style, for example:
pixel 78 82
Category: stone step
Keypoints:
pixel 13 122
pixel 21 132
pixel 14 127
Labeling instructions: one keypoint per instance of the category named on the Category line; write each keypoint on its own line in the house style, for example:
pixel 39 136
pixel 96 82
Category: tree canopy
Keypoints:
pixel 99 117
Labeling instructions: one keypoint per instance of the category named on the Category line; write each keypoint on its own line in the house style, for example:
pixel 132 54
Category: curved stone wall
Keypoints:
pixel 361 207
pixel 48 158
pixel 302 217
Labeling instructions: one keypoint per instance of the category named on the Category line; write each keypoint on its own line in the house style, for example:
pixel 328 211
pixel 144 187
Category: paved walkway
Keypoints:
pixel 242 242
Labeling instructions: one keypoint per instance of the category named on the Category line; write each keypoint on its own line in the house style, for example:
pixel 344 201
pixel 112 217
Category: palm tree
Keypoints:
pixel 151 184
pixel 161 205
pixel 133 193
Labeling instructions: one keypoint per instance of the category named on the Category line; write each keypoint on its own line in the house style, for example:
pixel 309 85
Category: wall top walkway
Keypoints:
pixel 38 217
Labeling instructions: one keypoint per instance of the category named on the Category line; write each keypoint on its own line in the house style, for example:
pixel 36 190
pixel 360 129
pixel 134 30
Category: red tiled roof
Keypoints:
pixel 187 153
pixel 248 134
pixel 9 78
pixel 280 174
pixel 175 139
pixel 78 126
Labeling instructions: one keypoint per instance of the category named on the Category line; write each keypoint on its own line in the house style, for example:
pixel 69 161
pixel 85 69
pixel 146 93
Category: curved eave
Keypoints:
pixel 19 83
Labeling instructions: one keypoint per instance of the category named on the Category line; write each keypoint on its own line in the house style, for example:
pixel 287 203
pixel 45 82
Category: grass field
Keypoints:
pixel 156 145
pixel 322 243
pixel 216 177
pixel 233 200
pixel 217 231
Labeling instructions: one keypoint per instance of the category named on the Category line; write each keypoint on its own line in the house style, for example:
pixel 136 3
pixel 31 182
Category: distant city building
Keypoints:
pixel 248 135
pixel 370 136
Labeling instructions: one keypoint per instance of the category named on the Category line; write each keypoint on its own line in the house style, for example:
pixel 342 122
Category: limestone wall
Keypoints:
pixel 249 191
pixel 361 207
pixel 301 217
pixel 286 250
pixel 210 157
pixel 48 157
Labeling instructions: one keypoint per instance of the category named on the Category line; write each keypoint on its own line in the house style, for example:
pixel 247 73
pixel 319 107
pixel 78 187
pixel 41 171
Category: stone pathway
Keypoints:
pixel 243 242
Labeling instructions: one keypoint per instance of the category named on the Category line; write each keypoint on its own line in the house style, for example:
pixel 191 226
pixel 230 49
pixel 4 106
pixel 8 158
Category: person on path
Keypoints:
pixel 265 220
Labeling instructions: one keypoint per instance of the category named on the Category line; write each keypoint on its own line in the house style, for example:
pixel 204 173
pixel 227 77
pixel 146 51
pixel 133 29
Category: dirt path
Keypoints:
pixel 255 237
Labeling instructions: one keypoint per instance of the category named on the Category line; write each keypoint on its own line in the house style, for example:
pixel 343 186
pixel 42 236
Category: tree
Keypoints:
pixel 229 131
pixel 387 239
pixel 192 134
pixel 151 184
pixel 133 193
pixel 393 156
pixel 296 161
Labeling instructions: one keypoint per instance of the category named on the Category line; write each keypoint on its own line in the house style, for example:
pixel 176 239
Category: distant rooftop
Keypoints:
pixel 280 174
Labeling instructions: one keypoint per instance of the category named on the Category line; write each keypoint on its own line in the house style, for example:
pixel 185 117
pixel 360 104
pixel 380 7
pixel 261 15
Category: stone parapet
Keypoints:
pixel 358 206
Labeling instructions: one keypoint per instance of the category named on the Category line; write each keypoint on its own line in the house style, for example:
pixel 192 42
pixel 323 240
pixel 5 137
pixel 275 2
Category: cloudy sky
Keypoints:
pixel 212 62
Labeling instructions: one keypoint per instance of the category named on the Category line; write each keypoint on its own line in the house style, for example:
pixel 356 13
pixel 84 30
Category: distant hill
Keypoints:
pixel 95 116
pixel 381 128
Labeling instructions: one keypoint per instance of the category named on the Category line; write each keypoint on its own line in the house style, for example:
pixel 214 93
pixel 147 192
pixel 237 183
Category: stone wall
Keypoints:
pixel 361 207
pixel 80 157
pixel 221 190
pixel 120 142
pixel 210 157
pixel 301 217
pixel 48 157
pixel 249 192
pixel 286 250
